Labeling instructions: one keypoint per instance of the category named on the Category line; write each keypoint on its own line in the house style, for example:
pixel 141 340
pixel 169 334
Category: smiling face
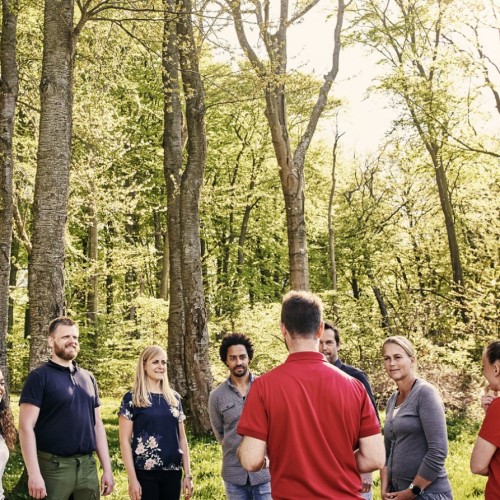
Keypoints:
pixel 237 360
pixel 397 362
pixel 155 368
pixel 64 344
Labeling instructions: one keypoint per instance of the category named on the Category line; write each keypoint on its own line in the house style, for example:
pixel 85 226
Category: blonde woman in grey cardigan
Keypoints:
pixel 416 440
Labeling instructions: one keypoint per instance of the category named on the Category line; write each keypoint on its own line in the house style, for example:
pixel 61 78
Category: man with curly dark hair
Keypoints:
pixel 225 406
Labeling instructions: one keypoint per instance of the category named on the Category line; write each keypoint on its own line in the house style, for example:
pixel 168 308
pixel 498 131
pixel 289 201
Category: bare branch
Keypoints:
pixel 20 226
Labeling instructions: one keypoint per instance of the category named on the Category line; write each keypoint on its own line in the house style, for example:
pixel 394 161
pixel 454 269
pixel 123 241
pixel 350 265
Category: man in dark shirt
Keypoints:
pixel 329 345
pixel 60 425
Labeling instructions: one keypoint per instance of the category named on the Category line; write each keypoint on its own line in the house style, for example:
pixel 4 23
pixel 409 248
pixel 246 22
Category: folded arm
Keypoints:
pixel 251 453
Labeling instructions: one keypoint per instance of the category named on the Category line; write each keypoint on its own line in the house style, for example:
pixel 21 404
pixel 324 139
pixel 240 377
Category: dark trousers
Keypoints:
pixel 160 484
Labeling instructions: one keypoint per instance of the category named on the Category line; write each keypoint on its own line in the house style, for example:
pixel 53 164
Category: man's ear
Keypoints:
pixel 321 329
pixel 283 329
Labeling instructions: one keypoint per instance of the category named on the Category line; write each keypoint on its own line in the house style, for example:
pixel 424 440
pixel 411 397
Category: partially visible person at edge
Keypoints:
pixel 416 440
pixel 225 405
pixel 60 424
pixel 153 440
pixel 317 423
pixel 485 459
pixel 329 345
pixel 8 432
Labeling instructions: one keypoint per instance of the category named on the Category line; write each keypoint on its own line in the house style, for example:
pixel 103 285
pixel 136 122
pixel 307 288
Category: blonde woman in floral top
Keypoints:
pixel 153 441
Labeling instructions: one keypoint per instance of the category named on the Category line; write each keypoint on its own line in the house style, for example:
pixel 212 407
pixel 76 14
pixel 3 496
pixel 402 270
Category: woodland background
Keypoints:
pixel 153 184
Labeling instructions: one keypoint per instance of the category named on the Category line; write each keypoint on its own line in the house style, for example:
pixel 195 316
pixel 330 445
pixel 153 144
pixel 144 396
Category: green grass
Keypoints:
pixel 206 461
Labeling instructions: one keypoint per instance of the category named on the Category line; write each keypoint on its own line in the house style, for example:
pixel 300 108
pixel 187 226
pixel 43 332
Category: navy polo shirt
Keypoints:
pixel 67 399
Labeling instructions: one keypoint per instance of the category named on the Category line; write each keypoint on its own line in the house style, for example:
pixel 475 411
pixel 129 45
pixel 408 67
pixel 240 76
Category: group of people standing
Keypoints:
pixel 308 429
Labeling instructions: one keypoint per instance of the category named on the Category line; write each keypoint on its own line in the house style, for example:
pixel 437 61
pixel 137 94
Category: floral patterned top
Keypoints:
pixel 155 432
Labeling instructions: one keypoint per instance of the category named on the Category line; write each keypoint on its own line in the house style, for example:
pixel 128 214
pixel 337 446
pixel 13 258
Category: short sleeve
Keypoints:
pixel 97 401
pixel 126 407
pixel 253 421
pixel 369 425
pixel 181 417
pixel 33 389
pixel 490 430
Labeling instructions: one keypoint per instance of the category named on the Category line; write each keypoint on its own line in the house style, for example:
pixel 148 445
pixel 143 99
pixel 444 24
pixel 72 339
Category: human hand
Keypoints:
pixel 36 486
pixel 487 396
pixel 134 489
pixel 107 483
pixel 366 482
pixel 400 495
pixel 187 486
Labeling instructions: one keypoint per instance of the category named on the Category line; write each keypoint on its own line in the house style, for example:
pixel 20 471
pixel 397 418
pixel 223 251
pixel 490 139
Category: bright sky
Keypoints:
pixel 365 117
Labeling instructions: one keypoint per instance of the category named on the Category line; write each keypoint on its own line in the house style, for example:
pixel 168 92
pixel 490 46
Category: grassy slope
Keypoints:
pixel 206 459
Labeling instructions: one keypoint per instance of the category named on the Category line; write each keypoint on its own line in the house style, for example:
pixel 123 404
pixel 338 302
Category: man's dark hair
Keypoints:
pixel 231 339
pixel 493 351
pixel 301 313
pixel 62 320
pixel 329 326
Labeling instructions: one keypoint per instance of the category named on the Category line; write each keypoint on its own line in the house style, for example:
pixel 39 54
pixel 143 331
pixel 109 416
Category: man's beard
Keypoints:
pixel 61 353
pixel 241 373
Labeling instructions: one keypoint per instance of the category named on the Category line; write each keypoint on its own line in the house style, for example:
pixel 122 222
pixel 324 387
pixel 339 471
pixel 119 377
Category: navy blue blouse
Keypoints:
pixel 155 432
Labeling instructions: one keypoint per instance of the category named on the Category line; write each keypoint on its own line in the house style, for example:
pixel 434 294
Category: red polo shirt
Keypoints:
pixel 311 415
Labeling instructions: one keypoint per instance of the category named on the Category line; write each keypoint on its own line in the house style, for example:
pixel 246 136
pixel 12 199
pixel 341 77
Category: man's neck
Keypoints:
pixel 63 362
pixel 302 345
pixel 240 382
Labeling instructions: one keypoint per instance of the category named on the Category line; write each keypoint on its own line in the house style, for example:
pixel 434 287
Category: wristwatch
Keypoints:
pixel 416 490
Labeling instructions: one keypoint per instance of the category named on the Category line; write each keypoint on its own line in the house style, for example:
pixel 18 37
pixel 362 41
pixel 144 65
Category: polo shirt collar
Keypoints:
pixel 338 363
pixel 305 356
pixel 57 366
pixel 252 378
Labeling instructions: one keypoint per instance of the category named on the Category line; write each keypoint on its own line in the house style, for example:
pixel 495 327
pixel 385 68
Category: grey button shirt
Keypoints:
pixel 225 405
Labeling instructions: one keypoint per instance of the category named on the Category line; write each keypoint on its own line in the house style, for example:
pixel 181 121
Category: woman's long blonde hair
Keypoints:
pixel 140 393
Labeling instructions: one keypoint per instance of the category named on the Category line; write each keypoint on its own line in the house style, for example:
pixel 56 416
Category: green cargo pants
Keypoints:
pixel 65 476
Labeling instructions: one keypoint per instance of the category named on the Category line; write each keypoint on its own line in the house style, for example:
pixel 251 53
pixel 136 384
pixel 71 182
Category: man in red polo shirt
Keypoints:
pixel 316 422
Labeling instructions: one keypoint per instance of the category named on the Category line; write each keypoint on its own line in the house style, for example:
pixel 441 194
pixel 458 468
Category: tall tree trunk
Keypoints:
pixel 93 285
pixel 331 230
pixel 291 165
pixel 8 100
pixel 160 257
pixel 109 266
pixel 188 346
pixel 446 207
pixel 46 267
pixel 165 268
pixel 198 372
pixel 173 146
pixel 382 307
pixel 14 255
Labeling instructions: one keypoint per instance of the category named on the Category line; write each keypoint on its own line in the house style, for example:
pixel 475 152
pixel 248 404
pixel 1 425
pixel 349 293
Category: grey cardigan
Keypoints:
pixel 416 440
